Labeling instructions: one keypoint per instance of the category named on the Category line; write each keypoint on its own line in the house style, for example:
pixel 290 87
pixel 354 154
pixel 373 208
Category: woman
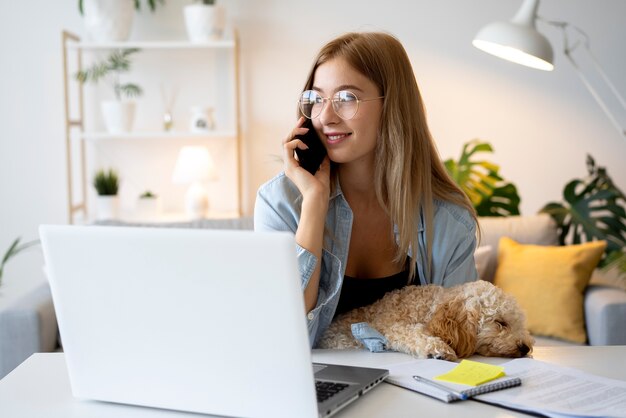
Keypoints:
pixel 381 212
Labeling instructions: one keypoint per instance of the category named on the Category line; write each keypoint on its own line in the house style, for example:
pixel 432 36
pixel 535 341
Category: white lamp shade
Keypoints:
pixel 518 40
pixel 194 163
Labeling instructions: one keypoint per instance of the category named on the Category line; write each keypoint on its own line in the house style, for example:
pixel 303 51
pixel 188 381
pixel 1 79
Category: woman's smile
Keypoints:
pixel 333 138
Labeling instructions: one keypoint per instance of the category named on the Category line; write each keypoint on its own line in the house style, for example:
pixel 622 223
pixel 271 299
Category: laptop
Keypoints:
pixel 207 321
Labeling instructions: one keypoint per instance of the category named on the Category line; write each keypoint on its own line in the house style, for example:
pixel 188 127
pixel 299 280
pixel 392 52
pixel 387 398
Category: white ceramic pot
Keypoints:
pixel 118 116
pixel 148 207
pixel 204 23
pixel 108 20
pixel 107 207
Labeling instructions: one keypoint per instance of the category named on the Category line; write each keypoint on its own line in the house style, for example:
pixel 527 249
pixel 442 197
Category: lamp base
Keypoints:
pixel 196 201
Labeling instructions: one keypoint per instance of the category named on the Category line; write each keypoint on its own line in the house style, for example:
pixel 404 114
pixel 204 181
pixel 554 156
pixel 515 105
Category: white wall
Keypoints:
pixel 541 124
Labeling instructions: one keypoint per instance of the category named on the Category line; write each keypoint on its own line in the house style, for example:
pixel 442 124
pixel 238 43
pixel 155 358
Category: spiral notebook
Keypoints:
pixel 403 375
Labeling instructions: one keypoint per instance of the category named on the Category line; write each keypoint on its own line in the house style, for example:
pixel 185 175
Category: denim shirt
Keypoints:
pixel 278 206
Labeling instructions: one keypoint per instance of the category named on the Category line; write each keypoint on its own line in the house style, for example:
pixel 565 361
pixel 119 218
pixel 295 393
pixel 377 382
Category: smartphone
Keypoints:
pixel 311 159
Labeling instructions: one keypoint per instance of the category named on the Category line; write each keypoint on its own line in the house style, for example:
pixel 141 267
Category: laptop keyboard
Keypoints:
pixel 326 390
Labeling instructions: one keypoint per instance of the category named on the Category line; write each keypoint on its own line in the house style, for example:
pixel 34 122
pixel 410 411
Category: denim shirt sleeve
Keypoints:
pixel 453 247
pixel 274 210
pixel 277 208
pixel 462 267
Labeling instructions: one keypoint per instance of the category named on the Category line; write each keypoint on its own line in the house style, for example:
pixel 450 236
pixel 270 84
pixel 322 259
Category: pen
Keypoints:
pixel 458 395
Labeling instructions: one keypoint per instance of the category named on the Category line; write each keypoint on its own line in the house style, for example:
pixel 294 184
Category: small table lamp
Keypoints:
pixel 193 166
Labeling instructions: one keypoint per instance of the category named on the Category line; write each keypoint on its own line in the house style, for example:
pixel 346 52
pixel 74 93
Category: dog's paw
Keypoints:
pixel 449 355
pixel 424 347
pixel 338 341
pixel 439 350
pixel 436 357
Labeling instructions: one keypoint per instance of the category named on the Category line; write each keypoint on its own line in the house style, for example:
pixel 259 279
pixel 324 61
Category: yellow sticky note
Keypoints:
pixel 472 373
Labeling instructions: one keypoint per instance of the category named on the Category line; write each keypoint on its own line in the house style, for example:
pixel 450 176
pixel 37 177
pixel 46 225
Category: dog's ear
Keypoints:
pixel 457 325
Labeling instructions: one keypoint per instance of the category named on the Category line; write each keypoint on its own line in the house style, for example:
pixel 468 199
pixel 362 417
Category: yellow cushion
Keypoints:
pixel 548 283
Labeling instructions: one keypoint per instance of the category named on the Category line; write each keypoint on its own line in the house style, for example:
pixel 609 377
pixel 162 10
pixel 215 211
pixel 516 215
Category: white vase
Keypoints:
pixel 118 116
pixel 108 20
pixel 204 23
pixel 148 207
pixel 107 207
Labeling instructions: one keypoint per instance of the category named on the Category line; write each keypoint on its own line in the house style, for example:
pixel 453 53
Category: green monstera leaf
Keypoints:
pixel 490 194
pixel 504 201
pixel 593 210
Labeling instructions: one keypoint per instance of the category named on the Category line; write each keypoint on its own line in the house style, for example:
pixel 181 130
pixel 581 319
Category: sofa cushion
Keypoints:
pixel 27 326
pixel 605 313
pixel 612 277
pixel 537 229
pixel 482 255
pixel 549 283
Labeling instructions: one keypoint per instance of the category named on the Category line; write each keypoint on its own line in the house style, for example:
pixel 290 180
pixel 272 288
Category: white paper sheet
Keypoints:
pixel 558 391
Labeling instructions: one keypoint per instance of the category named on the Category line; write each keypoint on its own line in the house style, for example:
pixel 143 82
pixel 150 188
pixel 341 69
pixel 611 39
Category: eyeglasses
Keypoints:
pixel 345 103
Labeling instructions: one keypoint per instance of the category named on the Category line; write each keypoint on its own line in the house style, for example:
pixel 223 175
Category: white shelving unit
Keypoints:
pixel 225 44
pixel 75 126
pixel 96 136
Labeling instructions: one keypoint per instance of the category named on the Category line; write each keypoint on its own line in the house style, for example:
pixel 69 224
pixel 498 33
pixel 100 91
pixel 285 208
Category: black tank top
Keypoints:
pixel 361 292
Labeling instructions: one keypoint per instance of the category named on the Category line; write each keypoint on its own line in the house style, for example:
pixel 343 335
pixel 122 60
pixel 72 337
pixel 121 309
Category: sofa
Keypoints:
pixel 604 297
pixel 29 325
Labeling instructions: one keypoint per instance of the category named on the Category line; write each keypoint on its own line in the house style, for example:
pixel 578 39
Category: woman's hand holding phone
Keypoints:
pixel 311 158
pixel 315 190
pixel 300 172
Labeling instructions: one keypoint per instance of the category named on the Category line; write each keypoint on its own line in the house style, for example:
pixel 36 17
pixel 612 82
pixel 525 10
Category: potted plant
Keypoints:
pixel 118 114
pixel 148 205
pixel 110 20
pixel 204 20
pixel 106 183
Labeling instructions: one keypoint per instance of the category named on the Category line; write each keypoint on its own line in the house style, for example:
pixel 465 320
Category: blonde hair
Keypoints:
pixel 408 171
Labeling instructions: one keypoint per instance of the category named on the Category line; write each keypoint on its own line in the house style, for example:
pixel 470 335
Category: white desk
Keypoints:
pixel 40 387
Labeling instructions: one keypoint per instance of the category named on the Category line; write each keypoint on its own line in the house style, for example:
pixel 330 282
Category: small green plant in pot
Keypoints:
pixel 148 205
pixel 204 20
pixel 151 5
pixel 118 114
pixel 110 20
pixel 106 183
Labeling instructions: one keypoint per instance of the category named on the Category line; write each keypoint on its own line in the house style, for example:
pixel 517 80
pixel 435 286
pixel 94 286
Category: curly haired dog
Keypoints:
pixel 446 323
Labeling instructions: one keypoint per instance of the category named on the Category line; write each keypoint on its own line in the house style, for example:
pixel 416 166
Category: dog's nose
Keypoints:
pixel 523 349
